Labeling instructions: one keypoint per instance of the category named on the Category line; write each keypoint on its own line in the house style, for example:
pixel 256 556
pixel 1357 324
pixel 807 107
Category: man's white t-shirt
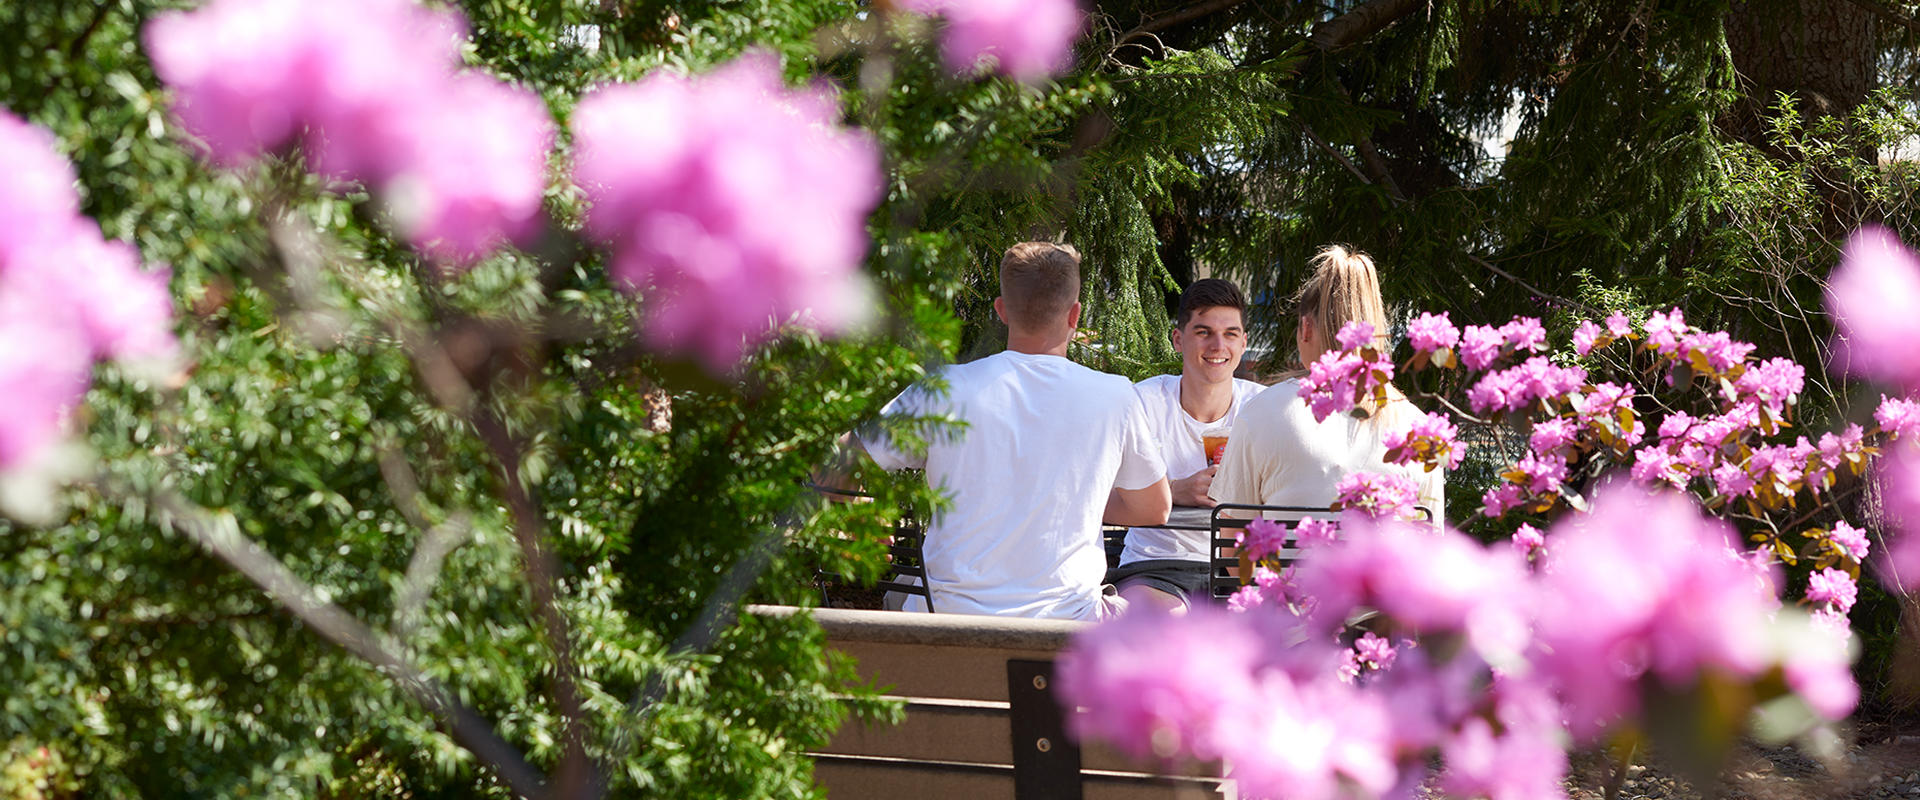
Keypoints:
pixel 1279 455
pixel 1178 435
pixel 1041 442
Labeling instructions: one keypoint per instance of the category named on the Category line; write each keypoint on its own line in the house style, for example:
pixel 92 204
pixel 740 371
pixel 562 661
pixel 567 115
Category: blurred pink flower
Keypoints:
pixel 1313 532
pixel 478 170
pixel 1644 586
pixel 1158 685
pixel 67 297
pixel 1899 565
pixel 1428 332
pixel 1262 538
pixel 1899 417
pixel 1314 739
pixel 732 203
pixel 1028 40
pixel 1553 436
pixel 1520 763
pixel 372 91
pixel 1497 501
pixel 1617 324
pixel 1872 296
pixel 1378 495
pixel 1428 580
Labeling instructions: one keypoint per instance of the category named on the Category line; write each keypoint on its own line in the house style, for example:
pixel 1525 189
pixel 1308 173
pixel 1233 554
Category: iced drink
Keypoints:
pixel 1215 443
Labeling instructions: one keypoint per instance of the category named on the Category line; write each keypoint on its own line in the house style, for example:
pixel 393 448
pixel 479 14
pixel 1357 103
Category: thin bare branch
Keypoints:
pixel 220 535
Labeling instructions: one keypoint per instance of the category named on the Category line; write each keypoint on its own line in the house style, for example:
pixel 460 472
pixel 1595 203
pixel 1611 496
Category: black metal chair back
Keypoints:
pixel 1226 577
pixel 908 572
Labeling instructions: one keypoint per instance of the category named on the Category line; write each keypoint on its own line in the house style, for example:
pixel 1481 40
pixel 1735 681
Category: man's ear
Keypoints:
pixel 1000 309
pixel 1174 336
pixel 1073 316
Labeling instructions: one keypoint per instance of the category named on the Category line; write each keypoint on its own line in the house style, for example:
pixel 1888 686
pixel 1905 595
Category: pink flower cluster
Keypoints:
pixel 1872 296
pixel 1832 592
pixel 1589 336
pixel 1518 388
pixel 1428 333
pixel 1028 40
pixel 1481 345
pixel 1641 595
pixel 1339 380
pixel 1378 495
pixel 372 90
pixel 1262 538
pixel 1429 439
pixel 67 297
pixel 732 204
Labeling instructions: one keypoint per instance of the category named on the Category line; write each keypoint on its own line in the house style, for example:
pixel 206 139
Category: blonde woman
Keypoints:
pixel 1278 454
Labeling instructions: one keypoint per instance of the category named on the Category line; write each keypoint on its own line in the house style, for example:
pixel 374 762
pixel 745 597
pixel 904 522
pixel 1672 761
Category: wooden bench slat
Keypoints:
pixel 859 778
pixel 921 670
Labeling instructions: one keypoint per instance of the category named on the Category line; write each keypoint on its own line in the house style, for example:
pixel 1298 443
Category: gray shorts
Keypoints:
pixel 1187 580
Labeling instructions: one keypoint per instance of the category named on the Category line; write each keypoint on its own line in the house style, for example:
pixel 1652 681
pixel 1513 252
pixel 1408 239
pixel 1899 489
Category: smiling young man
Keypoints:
pixel 1165 569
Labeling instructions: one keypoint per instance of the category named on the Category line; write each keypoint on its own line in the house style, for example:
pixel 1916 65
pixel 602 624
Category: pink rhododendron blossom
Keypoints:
pixel 1528 541
pixel 1585 336
pixel 1154 684
pixel 1814 658
pixel 1717 349
pixel 1518 387
pixel 67 297
pixel 1313 532
pixel 1541 475
pixel 1427 438
pixel 1644 586
pixel 1262 538
pixel 1900 566
pixel 1480 346
pixel 1369 653
pixel 372 90
pixel 1336 381
pixel 733 204
pixel 1355 335
pixel 1268 587
pixel 1872 296
pixel 1833 588
pixel 1425 579
pixel 1732 480
pixel 1310 740
pixel 1775 382
pixel 478 169
pixel 1429 332
pixel 1899 417
pixel 1524 333
pixel 1851 541
pixel 1028 40
pixel 1658 465
pixel 1497 501
pixel 1617 324
pixel 1519 763
pixel 1664 331
pixel 1378 495
pixel 1553 436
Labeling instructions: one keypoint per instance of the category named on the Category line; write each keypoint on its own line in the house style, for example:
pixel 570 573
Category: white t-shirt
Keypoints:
pixel 1044 441
pixel 1279 455
pixel 1178 434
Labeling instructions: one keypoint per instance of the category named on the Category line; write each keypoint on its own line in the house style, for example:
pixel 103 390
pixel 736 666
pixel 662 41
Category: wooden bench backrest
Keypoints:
pixel 980 700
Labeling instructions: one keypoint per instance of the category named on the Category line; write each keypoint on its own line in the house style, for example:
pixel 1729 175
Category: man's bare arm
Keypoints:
pixel 837 473
pixel 1148 506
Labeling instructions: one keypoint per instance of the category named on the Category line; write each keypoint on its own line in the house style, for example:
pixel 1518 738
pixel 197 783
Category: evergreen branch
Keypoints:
pixel 1368 19
pixel 1187 14
pixel 1887 14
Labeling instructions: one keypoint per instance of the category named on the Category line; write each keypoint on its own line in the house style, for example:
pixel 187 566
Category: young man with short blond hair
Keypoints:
pixel 1044 450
